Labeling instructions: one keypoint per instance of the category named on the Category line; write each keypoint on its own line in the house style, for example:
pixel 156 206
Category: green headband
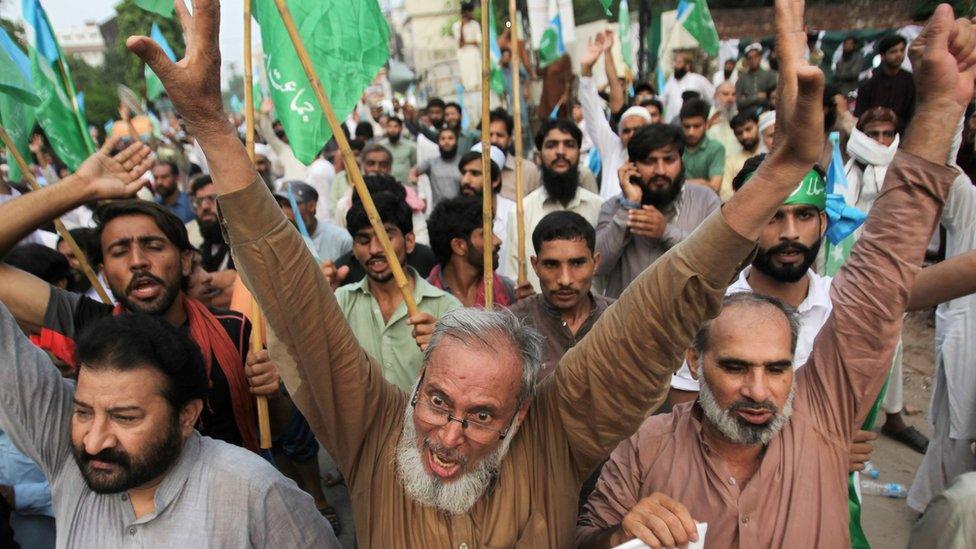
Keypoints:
pixel 812 191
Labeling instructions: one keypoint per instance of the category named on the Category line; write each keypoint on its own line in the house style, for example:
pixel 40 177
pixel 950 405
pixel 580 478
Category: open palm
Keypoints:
pixel 116 175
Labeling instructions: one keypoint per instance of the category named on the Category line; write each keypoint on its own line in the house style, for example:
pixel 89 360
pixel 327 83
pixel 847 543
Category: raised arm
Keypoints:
pixel 101 176
pixel 622 369
pixel 339 389
pixel 617 96
pixel 853 352
pixel 597 124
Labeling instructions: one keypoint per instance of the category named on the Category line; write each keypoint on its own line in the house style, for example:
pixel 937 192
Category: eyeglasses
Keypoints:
pixel 433 412
pixel 201 200
pixel 879 134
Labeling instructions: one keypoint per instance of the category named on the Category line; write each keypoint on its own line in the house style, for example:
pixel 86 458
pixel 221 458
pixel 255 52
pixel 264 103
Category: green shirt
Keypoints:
pixel 404 157
pixel 391 343
pixel 704 161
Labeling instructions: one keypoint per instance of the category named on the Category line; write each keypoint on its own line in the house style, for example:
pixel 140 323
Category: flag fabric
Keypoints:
pixel 154 86
pixel 16 54
pixel 552 46
pixel 697 20
pixel 623 22
pixel 836 253
pixel 606 5
pixel 161 7
pixel 348 43
pixel 56 115
pixel 16 113
pixel 236 105
pixel 44 40
pixel 496 80
pixel 13 80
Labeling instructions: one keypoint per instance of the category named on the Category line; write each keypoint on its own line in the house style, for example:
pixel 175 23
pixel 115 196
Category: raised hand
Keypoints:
pixel 799 106
pixel 592 52
pixel 944 60
pixel 116 176
pixel 192 83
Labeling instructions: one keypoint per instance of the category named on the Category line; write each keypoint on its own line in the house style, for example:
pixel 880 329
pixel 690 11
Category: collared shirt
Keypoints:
pixel 812 313
pixel 215 495
pixel 181 208
pixel 624 256
pixel 557 339
pixel 445 178
pixel 798 495
pixel 404 157
pixel 704 161
pixel 536 205
pixel 329 242
pixel 617 375
pixel 391 342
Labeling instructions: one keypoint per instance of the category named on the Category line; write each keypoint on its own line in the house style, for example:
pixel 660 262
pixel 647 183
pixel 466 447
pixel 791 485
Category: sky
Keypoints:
pixel 70 13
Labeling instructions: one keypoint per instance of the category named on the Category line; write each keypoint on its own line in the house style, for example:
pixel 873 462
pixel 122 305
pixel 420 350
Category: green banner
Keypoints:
pixel 56 115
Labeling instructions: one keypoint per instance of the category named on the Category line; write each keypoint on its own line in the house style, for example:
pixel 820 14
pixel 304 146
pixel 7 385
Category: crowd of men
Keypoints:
pixel 678 349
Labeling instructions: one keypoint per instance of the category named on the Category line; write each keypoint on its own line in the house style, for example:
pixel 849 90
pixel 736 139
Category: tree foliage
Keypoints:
pixel 133 20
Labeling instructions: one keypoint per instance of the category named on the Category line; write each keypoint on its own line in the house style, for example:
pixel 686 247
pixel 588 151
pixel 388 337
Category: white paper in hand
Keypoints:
pixel 638 544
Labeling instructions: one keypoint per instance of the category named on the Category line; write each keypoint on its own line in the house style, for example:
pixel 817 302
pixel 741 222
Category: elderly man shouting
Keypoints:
pixel 479 453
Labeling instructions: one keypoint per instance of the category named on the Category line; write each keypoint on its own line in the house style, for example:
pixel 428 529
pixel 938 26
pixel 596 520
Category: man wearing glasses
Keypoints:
pixel 486 456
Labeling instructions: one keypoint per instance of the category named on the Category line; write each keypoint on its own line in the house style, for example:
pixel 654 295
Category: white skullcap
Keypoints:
pixel 496 154
pixel 755 46
pixel 766 120
pixel 637 111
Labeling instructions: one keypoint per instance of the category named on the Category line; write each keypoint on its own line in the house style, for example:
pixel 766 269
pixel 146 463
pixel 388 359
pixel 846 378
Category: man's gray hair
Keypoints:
pixel 700 342
pixel 489 328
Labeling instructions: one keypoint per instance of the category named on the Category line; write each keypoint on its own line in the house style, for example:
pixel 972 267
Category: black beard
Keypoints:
pixel 680 73
pixel 750 145
pixel 159 456
pixel 786 273
pixel 165 192
pixel 210 231
pixel 561 186
pixel 447 155
pixel 162 304
pixel 394 139
pixel 662 199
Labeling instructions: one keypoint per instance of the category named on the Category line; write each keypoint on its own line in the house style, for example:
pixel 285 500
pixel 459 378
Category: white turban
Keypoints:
pixel 766 120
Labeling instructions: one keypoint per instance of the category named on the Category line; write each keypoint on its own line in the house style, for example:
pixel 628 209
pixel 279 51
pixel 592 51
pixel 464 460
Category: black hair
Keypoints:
pixel 467 6
pixel 356 144
pixel 175 170
pixel 374 147
pixel 200 182
pixel 447 129
pixel 743 117
pixel 688 95
pixel 561 124
pixel 87 239
pixel 39 260
pixel 694 108
pixel 501 115
pixel 653 101
pixel 496 171
pixel 396 119
pixel 752 164
pixel 563 225
pixel 391 208
pixel 457 217
pixel 435 102
pixel 889 42
pixel 131 341
pixel 652 137
pixel 364 129
pixel 171 226
pixel 380 183
pixel 644 87
pixel 455 105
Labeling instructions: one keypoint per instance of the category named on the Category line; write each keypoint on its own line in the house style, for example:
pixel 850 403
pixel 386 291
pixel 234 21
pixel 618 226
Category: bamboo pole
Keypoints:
pixel 349 159
pixel 517 111
pixel 487 217
pixel 257 320
pixel 58 225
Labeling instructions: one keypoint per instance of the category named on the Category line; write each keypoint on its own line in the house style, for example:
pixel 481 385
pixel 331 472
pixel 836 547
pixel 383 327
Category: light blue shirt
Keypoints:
pixel 31 489
pixel 182 208
pixel 329 242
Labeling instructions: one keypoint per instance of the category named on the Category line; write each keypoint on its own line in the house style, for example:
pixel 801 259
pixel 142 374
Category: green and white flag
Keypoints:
pixel 17 99
pixel 697 20
pixel 154 86
pixel 348 42
pixel 606 5
pixel 56 114
pixel 623 22
pixel 162 7
pixel 497 79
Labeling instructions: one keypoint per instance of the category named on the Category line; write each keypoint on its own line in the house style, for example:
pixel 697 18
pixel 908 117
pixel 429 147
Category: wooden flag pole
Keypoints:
pixel 349 159
pixel 257 320
pixel 487 216
pixel 58 225
pixel 517 111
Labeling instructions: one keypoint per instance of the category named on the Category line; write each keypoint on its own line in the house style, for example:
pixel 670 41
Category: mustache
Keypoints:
pixel 748 403
pixel 141 277
pixel 451 454
pixel 787 247
pixel 108 455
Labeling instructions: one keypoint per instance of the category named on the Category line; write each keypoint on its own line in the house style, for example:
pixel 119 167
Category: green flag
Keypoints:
pixel 56 115
pixel 19 120
pixel 606 5
pixel 697 20
pixel 497 78
pixel 14 83
pixel 162 7
pixel 154 86
pixel 348 42
pixel 623 22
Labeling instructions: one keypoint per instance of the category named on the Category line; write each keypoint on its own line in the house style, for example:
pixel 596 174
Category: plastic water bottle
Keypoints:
pixel 886 489
pixel 870 470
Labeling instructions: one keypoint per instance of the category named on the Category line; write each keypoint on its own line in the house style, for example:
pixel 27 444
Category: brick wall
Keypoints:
pixel 758 22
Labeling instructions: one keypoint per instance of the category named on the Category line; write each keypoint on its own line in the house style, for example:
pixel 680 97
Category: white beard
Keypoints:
pixel 737 431
pixel 456 497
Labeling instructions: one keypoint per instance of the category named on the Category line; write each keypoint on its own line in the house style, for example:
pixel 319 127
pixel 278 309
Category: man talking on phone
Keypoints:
pixel 654 211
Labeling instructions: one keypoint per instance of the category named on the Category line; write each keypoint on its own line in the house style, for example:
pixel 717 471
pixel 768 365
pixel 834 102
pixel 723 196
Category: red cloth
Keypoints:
pixel 213 340
pixel 57 344
pixel 497 288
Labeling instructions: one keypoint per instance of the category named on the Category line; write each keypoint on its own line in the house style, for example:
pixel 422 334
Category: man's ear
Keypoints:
pixel 692 357
pixel 596 260
pixel 823 223
pixel 459 246
pixel 186 262
pixel 410 241
pixel 189 416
